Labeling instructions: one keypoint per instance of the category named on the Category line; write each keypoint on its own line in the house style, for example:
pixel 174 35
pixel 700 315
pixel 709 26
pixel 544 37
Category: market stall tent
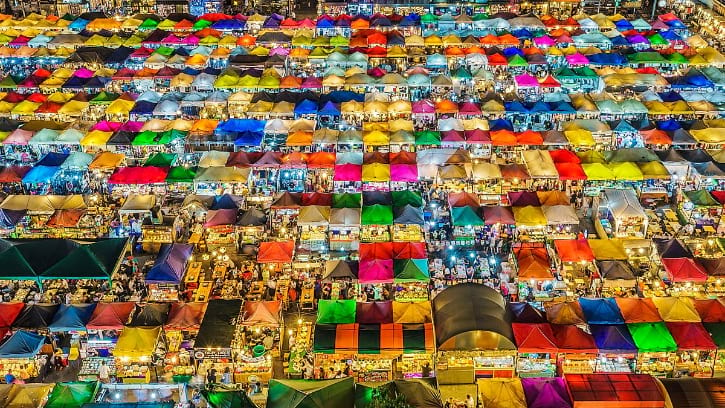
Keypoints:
pixel 137 342
pixel 72 317
pixel 275 252
pixel 22 344
pixel 221 398
pixel 71 394
pixel 471 316
pixel 265 313
pixel 185 316
pixel 217 328
pixel 597 390
pixel 170 264
pixel 110 316
pixel 27 395
pixel 501 392
pixel 311 394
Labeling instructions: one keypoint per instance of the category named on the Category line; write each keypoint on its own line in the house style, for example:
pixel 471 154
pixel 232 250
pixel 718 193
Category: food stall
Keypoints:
pixel 577 349
pixel 260 338
pixel 166 274
pixel 19 355
pixel 696 351
pixel 621 214
pixel 655 347
pixel 473 334
pixel 215 343
pixel 180 328
pixel 104 326
pixel 536 350
pixel 344 228
pixel 313 222
pixel 135 352
pixel 617 351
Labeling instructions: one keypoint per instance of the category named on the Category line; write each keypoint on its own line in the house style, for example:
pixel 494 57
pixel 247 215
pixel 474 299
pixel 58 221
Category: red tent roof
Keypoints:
pixel 377 250
pixel 574 250
pixel 9 312
pixel 265 313
pixel 571 338
pixel 324 199
pixel 564 156
pixel 534 337
pixel 684 270
pixel 570 171
pixel 614 390
pixel 110 316
pixel 463 199
pixel 13 174
pixel 185 316
pixel 691 336
pixel 533 264
pixel 409 250
pixel 276 252
pixel 710 310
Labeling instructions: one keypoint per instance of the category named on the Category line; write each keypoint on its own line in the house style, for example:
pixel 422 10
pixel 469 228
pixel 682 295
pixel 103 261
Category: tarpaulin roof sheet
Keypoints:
pixel 71 318
pixel 170 264
pixel 22 345
pixel 546 392
pixel 137 342
pixel 110 316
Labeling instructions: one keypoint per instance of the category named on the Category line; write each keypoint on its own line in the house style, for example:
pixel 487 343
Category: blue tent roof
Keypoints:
pixel 329 109
pixel 670 96
pixel 40 174
pixel 143 108
pixel 344 96
pixel 170 264
pixel 670 35
pixel 249 139
pixel 224 202
pixel 601 311
pixel 675 24
pixel 500 124
pixel 564 107
pixel 242 125
pixel 607 58
pixel 522 33
pixel 669 124
pixel 78 24
pixel 232 24
pixel 72 317
pixel 52 159
pixel 614 337
pixel 618 41
pixel 692 79
pixel 623 25
pixel 22 344
pixel 511 51
pixel 325 23
pixel 515 106
pixel 409 21
pixel 306 107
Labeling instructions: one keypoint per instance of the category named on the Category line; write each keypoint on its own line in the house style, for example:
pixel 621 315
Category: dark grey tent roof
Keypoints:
pixel 341 270
pixel 472 316
pixel 695 392
pixel 150 315
pixel 408 215
pixel 252 218
pixel 617 269
pixel 220 320
pixel 37 316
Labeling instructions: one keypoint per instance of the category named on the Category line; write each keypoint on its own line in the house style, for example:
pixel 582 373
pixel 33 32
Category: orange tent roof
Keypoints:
pixel 533 264
pixel 299 138
pixel 503 137
pixel 508 39
pixel 184 25
pixel 638 310
pixel 446 106
pixel 208 32
pixel 246 40
pixel 299 52
pixel 454 51
pixel 321 159
pixel 475 49
pixel 359 23
pixel 490 39
pixel 290 82
pixel 529 137
pixel 276 252
pixel 574 250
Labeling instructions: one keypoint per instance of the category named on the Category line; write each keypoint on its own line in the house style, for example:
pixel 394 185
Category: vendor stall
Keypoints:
pixel 19 355
pixel 135 353
pixel 166 274
pixel 260 338
pixel 216 344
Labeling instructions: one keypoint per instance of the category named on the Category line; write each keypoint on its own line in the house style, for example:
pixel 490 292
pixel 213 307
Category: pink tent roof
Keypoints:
pixel 279 51
pixel 477 136
pixel 376 271
pixel 577 59
pixel 171 39
pixel 132 126
pixel 190 40
pixel 83 73
pixel 18 137
pixel 424 106
pixel 348 172
pixel 469 108
pixel 527 81
pixel 106 126
pixel 139 175
pixel 311 83
pixel 545 41
pixel 404 172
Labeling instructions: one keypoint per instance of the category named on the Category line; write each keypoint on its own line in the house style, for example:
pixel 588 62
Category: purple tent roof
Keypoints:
pixel 523 198
pixel 220 217
pixel 546 393
pixel 171 263
pixel 131 126
pixel 613 337
pixel 637 39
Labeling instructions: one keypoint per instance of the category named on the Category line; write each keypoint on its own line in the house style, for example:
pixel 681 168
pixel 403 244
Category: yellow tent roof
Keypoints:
pixel 73 108
pixel 181 79
pixel 580 137
pixel 27 395
pixel 120 106
pixel 376 172
pixel 25 108
pixel 412 312
pixel 137 342
pixel 96 138
pixel 131 23
pixel 529 216
pixel 501 392
pixel 607 249
pixel 106 160
pixel 6 107
pixel 376 138
pixel 676 309
pixel 710 135
pixel 626 171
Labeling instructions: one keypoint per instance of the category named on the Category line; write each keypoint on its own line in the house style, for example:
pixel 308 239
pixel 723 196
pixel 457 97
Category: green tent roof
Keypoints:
pixel 71 395
pixel 146 138
pixel 428 18
pixel 181 174
pixel 702 198
pixel 377 214
pixel 336 311
pixel 201 24
pixel 479 17
pixel 338 393
pixel 227 399
pixel 518 61
pixel 411 270
pixel 79 264
pixel 646 57
pixel 657 39
pixel 652 337
pixel 427 137
pixel 148 24
pixel 109 252
pixel 407 197
pixel 347 200
pixel 462 73
pixel 465 216
pixel 585 72
pixel 165 51
pixel 14 266
pixel 717 332
pixel 9 82
pixel 677 58
pixel 104 98
pixel 160 160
